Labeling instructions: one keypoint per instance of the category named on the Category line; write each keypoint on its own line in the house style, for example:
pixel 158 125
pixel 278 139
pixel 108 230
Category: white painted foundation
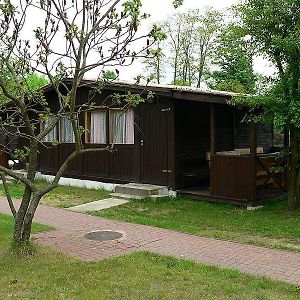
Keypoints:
pixel 89 184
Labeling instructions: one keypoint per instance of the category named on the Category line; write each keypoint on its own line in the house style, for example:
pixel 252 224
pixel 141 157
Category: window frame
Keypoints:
pixel 59 132
pixel 110 125
pixel 56 128
pixel 87 126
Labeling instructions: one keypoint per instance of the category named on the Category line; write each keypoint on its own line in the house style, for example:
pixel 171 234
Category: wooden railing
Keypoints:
pixel 232 177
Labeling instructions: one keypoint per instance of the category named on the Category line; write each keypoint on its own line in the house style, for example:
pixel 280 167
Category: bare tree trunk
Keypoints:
pixel 294 174
pixel 29 218
pixel 18 236
pixel 19 222
pixel 158 70
pixel 175 68
pixel 200 72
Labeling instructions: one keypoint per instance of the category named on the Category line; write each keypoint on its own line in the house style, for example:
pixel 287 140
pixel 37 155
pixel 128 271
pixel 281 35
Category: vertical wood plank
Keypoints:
pixel 212 129
pixel 253 154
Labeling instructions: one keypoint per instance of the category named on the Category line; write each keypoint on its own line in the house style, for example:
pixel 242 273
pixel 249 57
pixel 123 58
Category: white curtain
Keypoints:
pixel 52 135
pixel 98 127
pixel 122 126
pixel 130 127
pixel 66 130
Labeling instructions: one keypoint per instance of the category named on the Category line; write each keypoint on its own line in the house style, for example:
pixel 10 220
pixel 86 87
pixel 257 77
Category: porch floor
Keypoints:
pixel 203 193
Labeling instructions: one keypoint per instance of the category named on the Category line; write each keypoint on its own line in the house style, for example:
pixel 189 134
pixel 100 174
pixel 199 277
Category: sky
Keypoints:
pixel 161 9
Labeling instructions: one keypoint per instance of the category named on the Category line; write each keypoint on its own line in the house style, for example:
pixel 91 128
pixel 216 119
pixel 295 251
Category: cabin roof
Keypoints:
pixel 168 91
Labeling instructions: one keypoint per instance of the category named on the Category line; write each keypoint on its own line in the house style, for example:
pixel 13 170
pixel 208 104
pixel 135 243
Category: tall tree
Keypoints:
pixel 210 25
pixel 155 62
pixel 94 35
pixel 190 37
pixel 274 28
pixel 173 28
pixel 233 58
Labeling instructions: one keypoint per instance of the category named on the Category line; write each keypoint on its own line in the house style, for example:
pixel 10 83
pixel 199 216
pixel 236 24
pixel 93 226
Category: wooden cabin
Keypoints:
pixel 187 139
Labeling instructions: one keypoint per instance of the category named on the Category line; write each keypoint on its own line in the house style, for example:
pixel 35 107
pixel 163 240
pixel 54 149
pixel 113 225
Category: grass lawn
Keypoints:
pixel 62 196
pixel 50 275
pixel 271 226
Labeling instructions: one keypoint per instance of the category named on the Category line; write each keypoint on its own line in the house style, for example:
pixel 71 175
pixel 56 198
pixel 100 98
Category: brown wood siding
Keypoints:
pixel 128 162
pixel 48 159
pixel 75 167
pixel 231 177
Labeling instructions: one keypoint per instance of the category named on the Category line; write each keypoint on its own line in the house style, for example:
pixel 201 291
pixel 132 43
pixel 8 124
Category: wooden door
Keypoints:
pixel 154 144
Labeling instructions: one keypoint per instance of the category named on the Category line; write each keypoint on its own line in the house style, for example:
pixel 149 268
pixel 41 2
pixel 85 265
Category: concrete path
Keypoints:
pixel 72 226
pixel 98 205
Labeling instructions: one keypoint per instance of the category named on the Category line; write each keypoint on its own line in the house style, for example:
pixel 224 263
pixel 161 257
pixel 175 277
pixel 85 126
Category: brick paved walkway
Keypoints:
pixel 71 227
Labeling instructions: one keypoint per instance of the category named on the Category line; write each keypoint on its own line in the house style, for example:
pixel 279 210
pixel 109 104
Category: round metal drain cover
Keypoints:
pixel 103 235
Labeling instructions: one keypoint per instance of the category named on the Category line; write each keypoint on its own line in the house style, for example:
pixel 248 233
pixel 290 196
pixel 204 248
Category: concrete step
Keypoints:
pixel 125 196
pixel 141 190
pixel 133 197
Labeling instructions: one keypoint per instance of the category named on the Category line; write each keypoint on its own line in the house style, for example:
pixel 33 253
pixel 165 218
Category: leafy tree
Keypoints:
pixel 234 63
pixel 35 81
pixel 190 37
pixel 155 62
pixel 211 22
pixel 274 29
pixel 173 29
pixel 72 38
pixel 31 82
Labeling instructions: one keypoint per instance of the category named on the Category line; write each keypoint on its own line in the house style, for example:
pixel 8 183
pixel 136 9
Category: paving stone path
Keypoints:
pixel 72 226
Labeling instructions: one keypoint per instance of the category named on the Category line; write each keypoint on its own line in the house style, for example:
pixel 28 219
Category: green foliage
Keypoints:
pixel 190 37
pixel 109 75
pixel 22 154
pixel 233 59
pixel 35 82
pixel 180 82
pixel 274 28
pixel 177 3
pixel 28 85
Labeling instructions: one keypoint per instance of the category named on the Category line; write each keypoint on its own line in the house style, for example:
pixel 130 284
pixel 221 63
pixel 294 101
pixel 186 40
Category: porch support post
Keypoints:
pixel 286 148
pixel 212 129
pixel 253 153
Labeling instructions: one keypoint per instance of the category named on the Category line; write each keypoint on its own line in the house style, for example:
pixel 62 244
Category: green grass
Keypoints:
pixel 49 275
pixel 271 226
pixel 62 196
pixel 6 227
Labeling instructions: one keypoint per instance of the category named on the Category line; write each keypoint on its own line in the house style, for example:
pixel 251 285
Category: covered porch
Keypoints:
pixel 242 165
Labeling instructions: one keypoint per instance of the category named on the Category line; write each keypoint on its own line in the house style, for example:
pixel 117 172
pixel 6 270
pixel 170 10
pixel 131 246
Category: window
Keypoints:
pixel 66 134
pixel 96 126
pixel 121 126
pixel 52 135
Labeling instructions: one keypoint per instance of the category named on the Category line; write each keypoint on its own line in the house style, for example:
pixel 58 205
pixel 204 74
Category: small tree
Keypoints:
pixel 274 28
pixel 93 35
